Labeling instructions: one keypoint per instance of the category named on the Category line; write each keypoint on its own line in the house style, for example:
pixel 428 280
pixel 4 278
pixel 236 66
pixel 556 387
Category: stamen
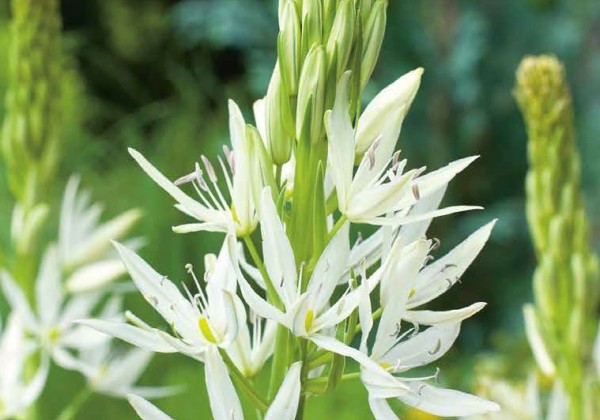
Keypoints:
pixel 210 170
pixel 416 192
pixel 186 179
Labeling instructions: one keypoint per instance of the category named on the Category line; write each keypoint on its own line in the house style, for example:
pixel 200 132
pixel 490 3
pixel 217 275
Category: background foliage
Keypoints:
pixel 156 74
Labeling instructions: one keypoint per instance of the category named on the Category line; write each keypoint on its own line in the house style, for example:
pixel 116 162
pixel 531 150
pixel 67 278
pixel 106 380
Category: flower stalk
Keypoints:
pixel 562 325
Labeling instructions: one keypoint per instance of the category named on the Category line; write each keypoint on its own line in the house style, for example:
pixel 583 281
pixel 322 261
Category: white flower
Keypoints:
pixel 16 394
pixel 378 193
pixel 397 349
pixel 52 321
pixel 199 320
pixel 224 402
pixel 84 243
pixel 307 312
pixel 115 375
pixel 213 211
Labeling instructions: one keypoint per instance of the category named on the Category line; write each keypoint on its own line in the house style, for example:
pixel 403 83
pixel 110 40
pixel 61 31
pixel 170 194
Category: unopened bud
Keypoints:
pixel 311 96
pixel 340 39
pixel 279 120
pixel 329 10
pixel 312 24
pixel 373 32
pixel 289 47
pixel 375 122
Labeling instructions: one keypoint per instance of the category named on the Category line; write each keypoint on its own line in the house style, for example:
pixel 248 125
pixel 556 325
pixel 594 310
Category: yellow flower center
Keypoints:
pixel 385 365
pixel 308 321
pixel 53 335
pixel 412 292
pixel 206 331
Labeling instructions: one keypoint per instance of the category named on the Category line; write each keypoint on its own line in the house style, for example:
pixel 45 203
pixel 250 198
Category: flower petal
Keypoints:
pixel 285 404
pixel 224 402
pixel 439 317
pixel 442 274
pixel 277 251
pixel 381 409
pixel 161 293
pixel 445 402
pixel 145 409
pixel 340 136
pixel 133 335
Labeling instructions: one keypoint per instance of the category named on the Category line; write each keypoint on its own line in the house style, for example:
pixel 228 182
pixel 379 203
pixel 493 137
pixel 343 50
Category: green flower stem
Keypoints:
pixel 271 292
pixel 323 379
pixel 71 411
pixel 243 384
pixel 281 356
pixel 338 225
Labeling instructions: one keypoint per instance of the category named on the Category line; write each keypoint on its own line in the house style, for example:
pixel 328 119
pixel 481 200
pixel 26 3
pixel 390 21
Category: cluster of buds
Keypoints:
pixel 318 41
pixel 562 325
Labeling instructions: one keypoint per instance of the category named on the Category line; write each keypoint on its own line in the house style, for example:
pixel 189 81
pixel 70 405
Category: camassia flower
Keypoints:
pixel 51 323
pixel 307 312
pixel 225 403
pixel 213 316
pixel 17 391
pixel 380 192
pixel 85 254
pixel 241 171
pixel 397 349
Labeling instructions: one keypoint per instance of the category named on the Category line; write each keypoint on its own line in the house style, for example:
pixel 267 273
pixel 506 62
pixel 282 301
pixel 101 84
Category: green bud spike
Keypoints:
pixel 565 288
pixel 30 131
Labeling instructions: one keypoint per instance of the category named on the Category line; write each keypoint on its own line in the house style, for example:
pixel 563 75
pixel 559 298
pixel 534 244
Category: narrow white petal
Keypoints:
pixel 536 341
pixel 340 137
pixel 329 269
pixel 95 276
pixel 202 227
pixel 224 402
pixel 285 404
pixel 423 348
pixel 442 274
pixel 17 301
pixel 438 317
pixel 145 409
pixel 193 206
pixel 253 299
pixel 277 250
pixel 48 287
pixel 379 382
pixel 381 409
pixel 365 315
pixel 161 293
pixel 402 219
pixel 133 335
pixel 446 402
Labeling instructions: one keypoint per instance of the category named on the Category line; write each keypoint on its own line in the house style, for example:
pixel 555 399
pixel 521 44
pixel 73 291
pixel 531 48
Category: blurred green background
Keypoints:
pixel 156 74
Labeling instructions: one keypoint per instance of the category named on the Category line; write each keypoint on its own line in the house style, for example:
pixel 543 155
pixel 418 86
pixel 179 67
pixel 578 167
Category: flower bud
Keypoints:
pixel 373 32
pixel 279 120
pixel 395 98
pixel 340 39
pixel 289 47
pixel 312 24
pixel 311 96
